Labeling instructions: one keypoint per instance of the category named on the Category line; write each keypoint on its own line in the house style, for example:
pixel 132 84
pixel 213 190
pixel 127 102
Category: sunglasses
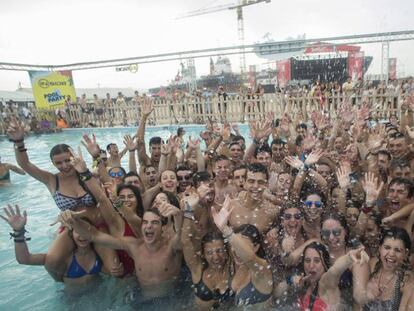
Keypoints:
pixel 326 233
pixel 309 204
pixel 117 174
pixel 104 159
pixel 297 216
pixel 186 177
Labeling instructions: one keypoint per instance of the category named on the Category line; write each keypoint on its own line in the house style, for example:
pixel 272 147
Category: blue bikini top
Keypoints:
pixel 76 271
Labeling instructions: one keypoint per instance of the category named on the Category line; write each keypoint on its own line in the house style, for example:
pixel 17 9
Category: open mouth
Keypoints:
pixel 149 234
pixel 395 205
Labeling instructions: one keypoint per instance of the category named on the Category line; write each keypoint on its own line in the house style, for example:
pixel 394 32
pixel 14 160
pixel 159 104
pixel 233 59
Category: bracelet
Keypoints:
pixel 227 233
pixel 165 154
pixel 21 149
pixel 85 176
pixel 132 150
pixel 16 141
pixel 18 233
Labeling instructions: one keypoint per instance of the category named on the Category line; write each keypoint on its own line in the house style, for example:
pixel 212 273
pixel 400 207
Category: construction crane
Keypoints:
pixel 240 24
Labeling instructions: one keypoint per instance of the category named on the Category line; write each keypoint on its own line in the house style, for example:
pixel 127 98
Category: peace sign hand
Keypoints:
pixel 77 161
pixel 14 218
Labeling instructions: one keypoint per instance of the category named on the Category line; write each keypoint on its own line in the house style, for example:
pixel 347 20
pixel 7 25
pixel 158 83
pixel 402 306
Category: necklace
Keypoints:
pixel 383 287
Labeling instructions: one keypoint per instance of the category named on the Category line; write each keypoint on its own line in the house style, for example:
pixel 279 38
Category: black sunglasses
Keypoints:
pixel 297 216
pixel 186 177
pixel 326 233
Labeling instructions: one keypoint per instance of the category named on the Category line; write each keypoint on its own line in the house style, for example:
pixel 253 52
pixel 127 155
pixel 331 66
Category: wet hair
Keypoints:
pixel 108 147
pixel 385 152
pixel 403 181
pixel 258 168
pixel 277 141
pixel 180 130
pixel 221 157
pixel 239 167
pixel 310 190
pixel 323 253
pixel 238 137
pixel 137 193
pixel 340 219
pixel 253 234
pixel 59 149
pixel 164 220
pixel 235 143
pixel 302 125
pixel 396 234
pixel 208 238
pixel 130 174
pixel 182 167
pixel 156 140
pixel 200 177
pixel 262 148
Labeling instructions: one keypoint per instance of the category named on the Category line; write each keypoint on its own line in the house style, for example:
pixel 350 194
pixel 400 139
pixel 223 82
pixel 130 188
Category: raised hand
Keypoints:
pixel 221 218
pixel 346 113
pixel 77 161
pixel 15 131
pixel 342 174
pixel 410 131
pixel 314 156
pixel 294 162
pixel 226 131
pixel 167 209
pixel 91 145
pixel 358 256
pixel 372 187
pixel 147 107
pixel 193 144
pixel 166 149
pixel 130 143
pixel 14 218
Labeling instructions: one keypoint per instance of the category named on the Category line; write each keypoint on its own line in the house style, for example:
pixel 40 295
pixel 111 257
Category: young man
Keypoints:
pixel 184 177
pixel 115 157
pixel 252 208
pixel 221 171
pixel 239 177
pixel 157 256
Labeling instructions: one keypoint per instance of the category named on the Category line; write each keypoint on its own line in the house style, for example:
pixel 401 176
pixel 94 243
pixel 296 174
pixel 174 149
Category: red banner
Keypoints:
pixel 284 73
pixel 323 47
pixel 355 65
pixel 392 68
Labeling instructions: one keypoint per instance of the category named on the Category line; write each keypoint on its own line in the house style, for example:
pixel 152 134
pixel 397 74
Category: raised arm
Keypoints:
pixel 131 146
pixel 15 132
pixel 17 222
pixel 147 108
pixel 15 169
pixel 167 210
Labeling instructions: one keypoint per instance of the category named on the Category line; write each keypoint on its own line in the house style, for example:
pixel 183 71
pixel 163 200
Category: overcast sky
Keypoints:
pixel 65 31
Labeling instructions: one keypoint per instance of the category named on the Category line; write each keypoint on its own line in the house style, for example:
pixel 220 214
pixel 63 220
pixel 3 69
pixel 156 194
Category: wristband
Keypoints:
pixel 85 176
pixel 227 233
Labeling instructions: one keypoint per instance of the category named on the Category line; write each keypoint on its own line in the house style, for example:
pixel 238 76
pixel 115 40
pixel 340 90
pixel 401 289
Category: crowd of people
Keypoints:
pixel 314 214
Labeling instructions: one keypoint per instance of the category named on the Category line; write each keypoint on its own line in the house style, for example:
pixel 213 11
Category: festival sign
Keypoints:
pixel 50 88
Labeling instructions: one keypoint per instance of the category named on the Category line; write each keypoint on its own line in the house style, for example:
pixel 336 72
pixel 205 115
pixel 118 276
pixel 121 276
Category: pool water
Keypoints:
pixel 30 287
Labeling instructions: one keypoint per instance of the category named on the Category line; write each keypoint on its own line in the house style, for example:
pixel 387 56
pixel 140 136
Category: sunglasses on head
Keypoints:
pixel 116 174
pixel 326 233
pixel 309 204
pixel 186 177
pixel 297 216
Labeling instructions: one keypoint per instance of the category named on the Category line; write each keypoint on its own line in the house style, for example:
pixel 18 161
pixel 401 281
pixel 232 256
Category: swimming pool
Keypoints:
pixel 31 287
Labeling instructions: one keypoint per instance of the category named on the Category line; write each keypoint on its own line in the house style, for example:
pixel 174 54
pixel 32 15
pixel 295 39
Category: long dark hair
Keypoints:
pixel 253 234
pixel 137 193
pixel 342 221
pixel 208 238
pixel 59 149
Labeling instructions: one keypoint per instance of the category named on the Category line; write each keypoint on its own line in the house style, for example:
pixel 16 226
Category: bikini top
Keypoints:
pixel 318 304
pixel 206 294
pixel 76 271
pixel 65 202
pixel 249 295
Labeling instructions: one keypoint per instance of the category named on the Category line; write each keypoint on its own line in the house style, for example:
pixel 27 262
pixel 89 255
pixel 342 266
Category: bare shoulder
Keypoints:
pixel 271 208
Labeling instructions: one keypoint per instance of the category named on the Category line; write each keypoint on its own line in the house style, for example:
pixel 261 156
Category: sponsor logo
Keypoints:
pixel 44 83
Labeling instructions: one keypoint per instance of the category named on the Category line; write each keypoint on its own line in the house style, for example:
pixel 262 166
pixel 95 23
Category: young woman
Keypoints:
pixel 207 258
pixel 69 193
pixel 386 283
pixel 253 281
pixel 81 267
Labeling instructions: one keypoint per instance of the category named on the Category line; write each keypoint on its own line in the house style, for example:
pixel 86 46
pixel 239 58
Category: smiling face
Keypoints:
pixel 151 228
pixel 264 158
pixel 215 253
pixel 392 254
pixel 185 179
pixel 159 199
pixel 236 152
pixel 278 151
pixel 150 175
pixel 324 170
pixel 397 196
pixel 221 170
pixel 128 199
pixel 113 150
pixel 255 184
pixel 292 221
pixel 169 181
pixel 352 214
pixel 313 265
pixel 116 174
pixel 313 207
pixel 284 181
pixel 397 147
pixel 62 163
pixel 333 234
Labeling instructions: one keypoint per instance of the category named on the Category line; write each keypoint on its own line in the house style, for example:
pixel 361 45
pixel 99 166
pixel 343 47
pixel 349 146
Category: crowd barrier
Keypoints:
pixel 235 108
